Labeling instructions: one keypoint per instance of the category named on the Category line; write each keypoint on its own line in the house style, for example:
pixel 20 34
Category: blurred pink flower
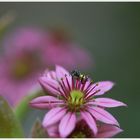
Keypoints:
pixel 82 130
pixel 69 97
pixel 29 50
pixel 63 51
pixel 21 63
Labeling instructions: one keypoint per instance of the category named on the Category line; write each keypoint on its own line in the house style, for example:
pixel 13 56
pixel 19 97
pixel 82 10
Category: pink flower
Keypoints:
pixel 82 130
pixel 70 98
pixel 21 63
pixel 27 52
pixel 63 51
pixel 69 55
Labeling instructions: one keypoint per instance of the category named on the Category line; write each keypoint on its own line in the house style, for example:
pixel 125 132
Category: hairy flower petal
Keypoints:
pixel 53 116
pixel 61 72
pixel 90 121
pixel 103 87
pixel 102 115
pixel 108 102
pixel 50 85
pixel 44 102
pixel 53 131
pixel 67 124
pixel 51 74
pixel 108 131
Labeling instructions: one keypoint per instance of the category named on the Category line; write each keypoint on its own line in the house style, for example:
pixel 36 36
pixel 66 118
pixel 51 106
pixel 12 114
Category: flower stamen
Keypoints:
pixel 62 94
pixel 62 87
pixel 89 91
pixel 88 97
pixel 88 87
pixel 75 100
pixel 67 82
pixel 82 88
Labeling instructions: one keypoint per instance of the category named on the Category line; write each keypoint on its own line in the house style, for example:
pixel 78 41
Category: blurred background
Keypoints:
pixel 109 32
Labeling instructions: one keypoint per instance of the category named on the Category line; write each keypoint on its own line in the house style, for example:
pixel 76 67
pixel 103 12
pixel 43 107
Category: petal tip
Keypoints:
pixel 57 67
pixel 32 103
pixel 112 83
pixel 117 123
pixel 124 105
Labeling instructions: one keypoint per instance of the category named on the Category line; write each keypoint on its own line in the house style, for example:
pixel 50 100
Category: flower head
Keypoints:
pixel 27 51
pixel 82 130
pixel 21 62
pixel 70 98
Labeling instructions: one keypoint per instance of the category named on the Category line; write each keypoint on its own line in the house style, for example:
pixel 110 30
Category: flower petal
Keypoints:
pixel 53 131
pixel 44 102
pixel 67 124
pixel 102 86
pixel 52 75
pixel 108 102
pixel 50 85
pixel 53 116
pixel 90 121
pixel 68 81
pixel 108 131
pixel 61 72
pixel 102 115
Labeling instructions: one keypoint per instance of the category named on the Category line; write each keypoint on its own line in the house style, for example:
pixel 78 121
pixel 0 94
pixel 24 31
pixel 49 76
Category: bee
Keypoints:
pixel 77 75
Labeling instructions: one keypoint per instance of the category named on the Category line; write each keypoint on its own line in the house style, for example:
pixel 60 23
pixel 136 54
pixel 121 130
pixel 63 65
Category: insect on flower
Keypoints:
pixel 70 99
pixel 77 75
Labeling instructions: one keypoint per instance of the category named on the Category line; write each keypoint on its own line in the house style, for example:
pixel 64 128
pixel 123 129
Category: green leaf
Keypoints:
pixel 26 114
pixel 23 107
pixel 38 131
pixel 9 124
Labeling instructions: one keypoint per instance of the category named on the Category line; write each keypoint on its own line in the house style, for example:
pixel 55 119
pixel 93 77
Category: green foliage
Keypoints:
pixel 23 107
pixel 9 125
pixel 26 114
pixel 38 131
